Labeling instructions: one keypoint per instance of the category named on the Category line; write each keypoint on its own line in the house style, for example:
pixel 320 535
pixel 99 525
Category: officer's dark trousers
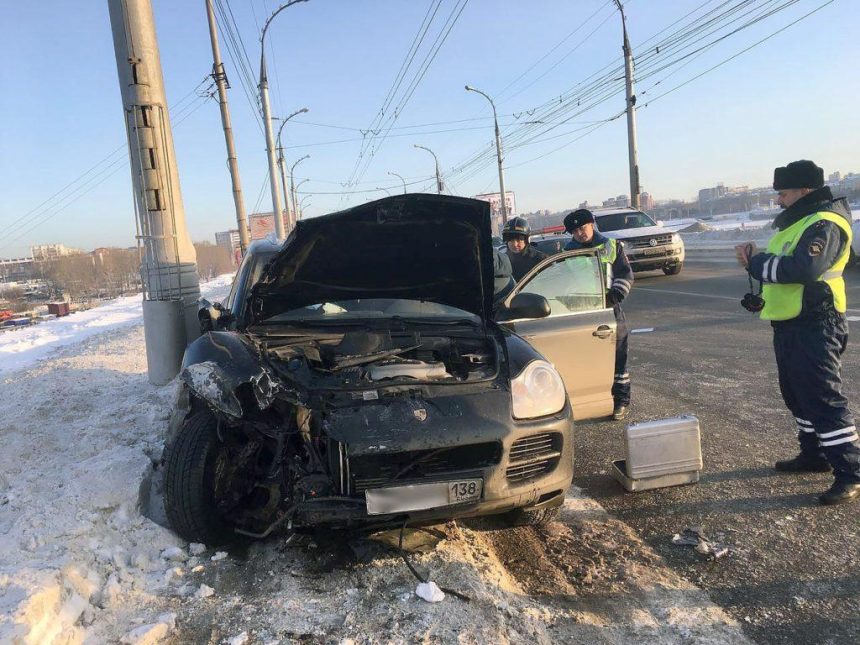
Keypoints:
pixel 808 359
pixel 621 382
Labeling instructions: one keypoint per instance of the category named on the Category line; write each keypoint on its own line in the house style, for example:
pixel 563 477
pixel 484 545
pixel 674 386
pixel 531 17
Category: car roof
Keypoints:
pixel 265 246
pixel 598 212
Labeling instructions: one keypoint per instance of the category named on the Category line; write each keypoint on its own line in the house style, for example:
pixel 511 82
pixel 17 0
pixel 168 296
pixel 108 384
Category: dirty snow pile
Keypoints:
pixel 79 431
pixel 24 347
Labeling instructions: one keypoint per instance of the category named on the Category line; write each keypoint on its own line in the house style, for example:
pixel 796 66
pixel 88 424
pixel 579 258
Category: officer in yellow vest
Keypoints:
pixel 804 299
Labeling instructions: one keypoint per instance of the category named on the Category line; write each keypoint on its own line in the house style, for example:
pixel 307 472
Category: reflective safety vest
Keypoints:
pixel 607 252
pixel 785 301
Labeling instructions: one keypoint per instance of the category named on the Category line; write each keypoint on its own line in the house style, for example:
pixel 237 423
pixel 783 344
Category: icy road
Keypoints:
pixel 81 435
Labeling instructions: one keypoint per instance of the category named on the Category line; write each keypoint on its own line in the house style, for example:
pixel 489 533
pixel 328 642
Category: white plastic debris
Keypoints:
pixel 429 591
pixel 239 639
pixel 205 591
pixel 196 548
pixel 219 555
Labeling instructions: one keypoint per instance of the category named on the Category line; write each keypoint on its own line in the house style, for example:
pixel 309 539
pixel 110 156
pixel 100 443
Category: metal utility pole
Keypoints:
pixel 302 205
pixel 631 113
pixel 267 119
pixel 295 196
pixel 504 204
pixel 291 214
pixel 293 184
pixel 387 191
pixel 168 260
pixel 401 179
pixel 221 81
pixel 439 186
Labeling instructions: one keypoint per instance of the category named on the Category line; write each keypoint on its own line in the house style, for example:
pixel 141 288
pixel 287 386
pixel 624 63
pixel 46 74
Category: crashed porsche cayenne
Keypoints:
pixel 365 383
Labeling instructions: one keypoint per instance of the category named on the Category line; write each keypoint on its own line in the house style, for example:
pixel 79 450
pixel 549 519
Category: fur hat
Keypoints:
pixel 577 218
pixel 798 174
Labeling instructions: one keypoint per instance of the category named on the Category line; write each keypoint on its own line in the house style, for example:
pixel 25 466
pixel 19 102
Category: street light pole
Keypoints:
pixel 387 191
pixel 438 174
pixel 401 179
pixel 267 118
pixel 631 114
pixel 221 81
pixel 291 216
pixel 302 204
pixel 293 184
pixel 504 204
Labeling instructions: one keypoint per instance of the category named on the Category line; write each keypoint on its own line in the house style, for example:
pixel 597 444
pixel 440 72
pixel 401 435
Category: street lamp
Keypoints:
pixel 302 205
pixel 292 182
pixel 401 179
pixel 438 175
pixel 469 88
pixel 387 191
pixel 267 122
pixel 291 215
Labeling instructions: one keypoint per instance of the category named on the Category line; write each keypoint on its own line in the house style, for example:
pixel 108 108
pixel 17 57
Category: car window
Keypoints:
pixel 570 285
pixel 618 221
pixel 550 246
pixel 237 279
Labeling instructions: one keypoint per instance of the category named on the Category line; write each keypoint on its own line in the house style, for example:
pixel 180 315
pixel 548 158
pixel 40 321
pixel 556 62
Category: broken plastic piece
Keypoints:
pixel 429 591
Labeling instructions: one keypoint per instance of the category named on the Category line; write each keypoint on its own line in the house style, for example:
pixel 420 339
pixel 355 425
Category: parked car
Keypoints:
pixel 354 379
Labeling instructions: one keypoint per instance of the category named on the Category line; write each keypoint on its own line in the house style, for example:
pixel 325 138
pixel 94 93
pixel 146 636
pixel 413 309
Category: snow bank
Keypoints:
pixel 24 347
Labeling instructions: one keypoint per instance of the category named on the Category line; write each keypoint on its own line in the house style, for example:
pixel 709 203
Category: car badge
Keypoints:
pixel 652 241
pixel 420 414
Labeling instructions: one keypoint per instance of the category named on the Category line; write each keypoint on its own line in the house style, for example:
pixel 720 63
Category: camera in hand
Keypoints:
pixel 752 302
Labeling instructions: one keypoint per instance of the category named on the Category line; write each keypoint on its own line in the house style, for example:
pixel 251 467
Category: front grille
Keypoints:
pixel 534 456
pixel 645 242
pixel 376 471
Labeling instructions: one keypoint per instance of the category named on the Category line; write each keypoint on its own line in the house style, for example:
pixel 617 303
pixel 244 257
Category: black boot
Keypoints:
pixel 840 492
pixel 803 463
pixel 619 412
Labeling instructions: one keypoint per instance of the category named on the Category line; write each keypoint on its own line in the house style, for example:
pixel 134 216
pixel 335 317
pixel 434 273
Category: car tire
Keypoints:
pixel 189 482
pixel 532 516
pixel 675 269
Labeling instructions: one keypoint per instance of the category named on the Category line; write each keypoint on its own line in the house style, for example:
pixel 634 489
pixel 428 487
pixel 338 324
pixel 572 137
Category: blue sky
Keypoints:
pixel 795 96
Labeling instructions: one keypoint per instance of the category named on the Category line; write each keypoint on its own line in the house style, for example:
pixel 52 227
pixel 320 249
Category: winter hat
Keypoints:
pixel 798 174
pixel 577 218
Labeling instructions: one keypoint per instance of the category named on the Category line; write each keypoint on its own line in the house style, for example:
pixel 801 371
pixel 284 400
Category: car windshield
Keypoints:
pixel 618 221
pixel 374 308
pixel 551 246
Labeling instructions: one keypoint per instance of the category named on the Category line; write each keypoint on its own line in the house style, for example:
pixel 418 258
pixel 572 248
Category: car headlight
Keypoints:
pixel 537 391
pixel 676 238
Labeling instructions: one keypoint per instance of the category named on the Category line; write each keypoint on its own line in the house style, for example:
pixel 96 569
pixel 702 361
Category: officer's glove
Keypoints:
pixel 614 297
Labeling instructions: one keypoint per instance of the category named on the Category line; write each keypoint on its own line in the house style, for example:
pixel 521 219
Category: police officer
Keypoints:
pixel 804 298
pixel 619 275
pixel 522 255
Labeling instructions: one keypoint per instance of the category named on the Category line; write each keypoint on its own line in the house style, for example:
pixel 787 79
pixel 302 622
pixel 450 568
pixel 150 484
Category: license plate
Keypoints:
pixel 652 251
pixel 419 497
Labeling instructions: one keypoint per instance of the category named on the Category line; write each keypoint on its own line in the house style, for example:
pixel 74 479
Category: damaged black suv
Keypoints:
pixel 358 378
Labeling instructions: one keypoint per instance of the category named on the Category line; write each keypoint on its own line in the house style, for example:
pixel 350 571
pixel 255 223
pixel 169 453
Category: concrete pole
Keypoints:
pixel 221 81
pixel 280 231
pixel 439 185
pixel 504 204
pixel 631 114
pixel 290 212
pixel 168 259
pixel 401 179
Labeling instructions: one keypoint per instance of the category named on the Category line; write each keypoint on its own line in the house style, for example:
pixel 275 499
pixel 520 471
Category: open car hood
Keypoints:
pixel 433 248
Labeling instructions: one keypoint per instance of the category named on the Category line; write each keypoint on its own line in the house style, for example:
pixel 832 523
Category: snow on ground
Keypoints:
pixel 81 432
pixel 21 348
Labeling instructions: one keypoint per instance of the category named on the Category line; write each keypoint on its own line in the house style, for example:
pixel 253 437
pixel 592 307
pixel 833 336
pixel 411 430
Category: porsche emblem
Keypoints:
pixel 420 414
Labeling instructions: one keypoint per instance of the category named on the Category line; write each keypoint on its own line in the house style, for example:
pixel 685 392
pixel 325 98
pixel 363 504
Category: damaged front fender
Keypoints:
pixel 218 364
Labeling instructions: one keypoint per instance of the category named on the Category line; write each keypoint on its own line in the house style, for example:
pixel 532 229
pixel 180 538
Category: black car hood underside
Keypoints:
pixel 432 248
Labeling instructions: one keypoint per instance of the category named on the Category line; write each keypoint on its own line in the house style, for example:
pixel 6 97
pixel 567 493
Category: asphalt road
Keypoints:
pixel 794 571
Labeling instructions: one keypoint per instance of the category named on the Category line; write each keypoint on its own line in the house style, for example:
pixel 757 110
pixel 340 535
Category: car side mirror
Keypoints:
pixel 524 305
pixel 212 315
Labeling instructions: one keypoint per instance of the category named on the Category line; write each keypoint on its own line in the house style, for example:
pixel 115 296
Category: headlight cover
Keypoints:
pixel 537 391
pixel 676 238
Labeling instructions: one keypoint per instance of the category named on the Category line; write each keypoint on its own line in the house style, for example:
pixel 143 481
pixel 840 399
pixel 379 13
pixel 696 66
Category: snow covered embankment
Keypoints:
pixel 78 435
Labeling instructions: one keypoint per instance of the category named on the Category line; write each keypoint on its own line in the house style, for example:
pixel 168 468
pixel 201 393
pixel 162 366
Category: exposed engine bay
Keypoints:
pixel 361 358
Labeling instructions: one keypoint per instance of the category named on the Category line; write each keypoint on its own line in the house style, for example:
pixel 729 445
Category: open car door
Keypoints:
pixel 578 336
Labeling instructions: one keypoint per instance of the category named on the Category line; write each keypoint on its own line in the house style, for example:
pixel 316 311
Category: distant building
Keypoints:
pixel 646 202
pixel 52 251
pixel 496 207
pixel 261 224
pixel 834 177
pixel 228 239
pixel 622 201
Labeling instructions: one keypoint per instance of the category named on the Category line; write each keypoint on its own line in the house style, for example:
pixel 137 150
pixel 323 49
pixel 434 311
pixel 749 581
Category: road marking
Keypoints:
pixel 688 293
pixel 645 330
pixel 853 318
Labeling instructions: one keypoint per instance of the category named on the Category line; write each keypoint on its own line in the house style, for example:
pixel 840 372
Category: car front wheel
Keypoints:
pixel 531 516
pixel 675 269
pixel 193 462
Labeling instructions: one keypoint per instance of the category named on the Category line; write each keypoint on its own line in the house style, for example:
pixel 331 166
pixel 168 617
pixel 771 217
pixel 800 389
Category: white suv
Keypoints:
pixel 648 245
